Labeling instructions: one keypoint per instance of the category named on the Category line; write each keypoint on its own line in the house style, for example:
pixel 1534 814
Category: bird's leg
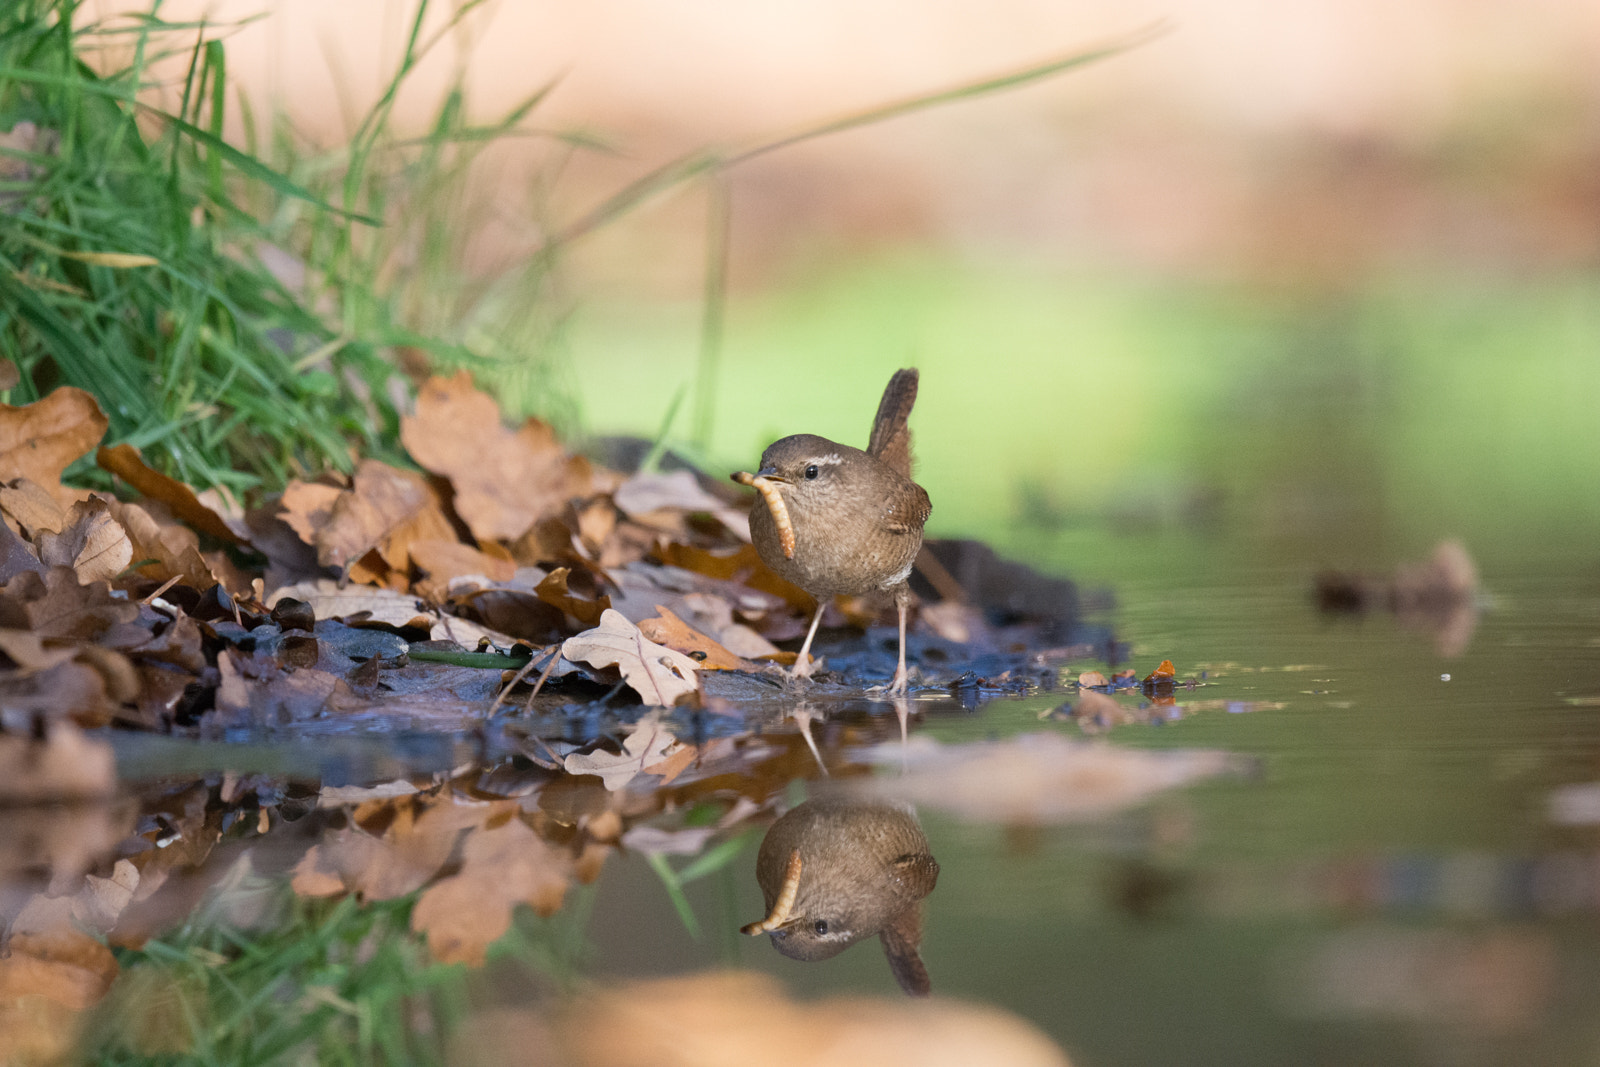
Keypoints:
pixel 802 666
pixel 902 602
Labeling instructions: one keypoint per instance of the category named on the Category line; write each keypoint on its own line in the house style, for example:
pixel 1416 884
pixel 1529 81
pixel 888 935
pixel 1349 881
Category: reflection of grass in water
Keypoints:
pixel 1438 405
pixel 326 982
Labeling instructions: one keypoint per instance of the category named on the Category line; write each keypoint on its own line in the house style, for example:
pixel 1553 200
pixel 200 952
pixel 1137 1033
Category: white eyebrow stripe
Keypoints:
pixel 831 458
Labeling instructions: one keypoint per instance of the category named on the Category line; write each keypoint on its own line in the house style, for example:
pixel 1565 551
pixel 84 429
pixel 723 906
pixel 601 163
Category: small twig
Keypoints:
pixel 162 588
pixel 522 672
pixel 544 677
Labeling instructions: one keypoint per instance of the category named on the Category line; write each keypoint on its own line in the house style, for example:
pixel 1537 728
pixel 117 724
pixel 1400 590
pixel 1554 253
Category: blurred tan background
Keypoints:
pixel 1303 141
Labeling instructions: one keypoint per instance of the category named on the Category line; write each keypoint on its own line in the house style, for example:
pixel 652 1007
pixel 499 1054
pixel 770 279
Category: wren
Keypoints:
pixel 838 520
pixel 834 871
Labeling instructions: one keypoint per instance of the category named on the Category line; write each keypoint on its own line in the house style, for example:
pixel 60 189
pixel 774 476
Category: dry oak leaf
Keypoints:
pixel 164 551
pixel 669 630
pixel 380 502
pixel 649 746
pixel 39 440
pixel 742 565
pixel 643 495
pixel 306 507
pixel 445 560
pixel 16 555
pixel 30 507
pixel 92 542
pixel 659 675
pixel 68 690
pixel 501 867
pixel 56 604
pixel 504 480
pixel 125 462
pixel 552 589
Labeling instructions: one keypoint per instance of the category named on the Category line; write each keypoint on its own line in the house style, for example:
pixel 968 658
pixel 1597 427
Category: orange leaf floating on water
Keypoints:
pixel 1164 673
pixel 1092 680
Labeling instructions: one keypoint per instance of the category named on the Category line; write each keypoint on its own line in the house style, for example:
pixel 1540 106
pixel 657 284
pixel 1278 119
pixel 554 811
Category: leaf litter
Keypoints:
pixel 293 649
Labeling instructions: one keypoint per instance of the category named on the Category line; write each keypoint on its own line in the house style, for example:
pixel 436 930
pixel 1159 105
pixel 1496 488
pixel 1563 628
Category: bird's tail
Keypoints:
pixel 891 434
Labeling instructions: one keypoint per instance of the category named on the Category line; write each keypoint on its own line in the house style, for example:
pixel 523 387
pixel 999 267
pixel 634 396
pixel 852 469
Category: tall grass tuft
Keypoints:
pixel 236 319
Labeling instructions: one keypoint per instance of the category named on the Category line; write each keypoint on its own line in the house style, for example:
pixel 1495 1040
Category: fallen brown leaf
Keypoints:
pixel 504 480
pixel 307 506
pixel 164 551
pixel 505 615
pixel 31 507
pixel 553 591
pixel 382 502
pixel 673 632
pixel 443 561
pixel 92 542
pixel 16 555
pixel 38 441
pixel 659 675
pixel 125 462
pixel 741 564
pixel 56 605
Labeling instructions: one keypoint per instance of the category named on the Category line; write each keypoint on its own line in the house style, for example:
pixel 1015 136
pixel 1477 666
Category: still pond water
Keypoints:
pixel 1407 871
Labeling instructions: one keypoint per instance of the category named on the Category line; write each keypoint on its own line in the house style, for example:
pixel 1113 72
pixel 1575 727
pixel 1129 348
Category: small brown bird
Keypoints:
pixel 835 871
pixel 839 520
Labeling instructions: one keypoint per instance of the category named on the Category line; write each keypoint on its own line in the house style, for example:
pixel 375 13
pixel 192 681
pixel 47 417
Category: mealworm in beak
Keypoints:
pixel 785 902
pixel 780 511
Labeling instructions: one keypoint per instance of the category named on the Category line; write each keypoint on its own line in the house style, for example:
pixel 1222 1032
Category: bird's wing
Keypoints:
pixel 891 435
pixel 912 516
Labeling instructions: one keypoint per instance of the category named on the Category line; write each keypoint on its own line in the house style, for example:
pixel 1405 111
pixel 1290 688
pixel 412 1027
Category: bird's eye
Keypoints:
pixel 821 925
pixel 811 472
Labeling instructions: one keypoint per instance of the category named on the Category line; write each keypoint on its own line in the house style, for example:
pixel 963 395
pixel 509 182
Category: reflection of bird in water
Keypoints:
pixel 836 871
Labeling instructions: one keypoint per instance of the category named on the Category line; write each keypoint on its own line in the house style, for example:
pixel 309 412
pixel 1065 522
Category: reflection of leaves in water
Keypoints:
pixel 501 867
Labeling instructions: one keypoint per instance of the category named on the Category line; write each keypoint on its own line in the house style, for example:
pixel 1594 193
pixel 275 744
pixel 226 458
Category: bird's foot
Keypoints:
pixel 803 669
pixel 897 685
